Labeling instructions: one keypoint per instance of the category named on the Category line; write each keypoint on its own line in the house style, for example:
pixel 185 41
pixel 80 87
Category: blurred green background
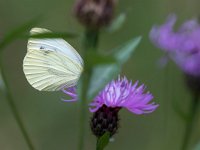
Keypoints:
pixel 53 124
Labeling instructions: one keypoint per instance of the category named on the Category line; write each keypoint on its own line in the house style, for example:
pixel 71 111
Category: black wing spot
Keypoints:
pixel 46 52
pixel 41 47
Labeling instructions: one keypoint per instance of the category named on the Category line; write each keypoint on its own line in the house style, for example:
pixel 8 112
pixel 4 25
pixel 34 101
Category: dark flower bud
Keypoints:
pixel 94 13
pixel 105 119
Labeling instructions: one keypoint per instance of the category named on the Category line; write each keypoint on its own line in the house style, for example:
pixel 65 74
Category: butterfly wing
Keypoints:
pixel 51 64
pixel 54 44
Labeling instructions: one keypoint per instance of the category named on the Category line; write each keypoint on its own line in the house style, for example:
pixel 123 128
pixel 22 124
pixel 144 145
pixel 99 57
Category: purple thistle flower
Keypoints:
pixel 182 46
pixel 122 93
pixel 117 94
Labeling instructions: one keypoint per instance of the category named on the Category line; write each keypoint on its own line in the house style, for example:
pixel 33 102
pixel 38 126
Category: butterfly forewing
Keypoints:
pixel 54 44
pixel 49 65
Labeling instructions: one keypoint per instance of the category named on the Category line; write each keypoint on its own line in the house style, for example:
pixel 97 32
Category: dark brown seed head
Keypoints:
pixel 105 119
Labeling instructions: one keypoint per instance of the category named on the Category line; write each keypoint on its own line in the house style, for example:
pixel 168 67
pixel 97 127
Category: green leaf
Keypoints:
pixel 117 23
pixel 103 141
pixel 124 52
pixel 17 32
pixel 2 84
pixel 101 75
pixel 93 58
pixel 184 116
pixel 197 147
pixel 52 35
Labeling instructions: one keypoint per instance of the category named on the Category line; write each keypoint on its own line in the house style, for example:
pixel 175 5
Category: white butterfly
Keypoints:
pixel 51 64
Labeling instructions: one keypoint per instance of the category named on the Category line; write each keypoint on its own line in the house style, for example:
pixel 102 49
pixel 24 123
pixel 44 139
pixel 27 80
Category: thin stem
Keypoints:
pixel 190 122
pixel 83 111
pixel 166 102
pixel 14 108
pixel 91 38
pixel 89 43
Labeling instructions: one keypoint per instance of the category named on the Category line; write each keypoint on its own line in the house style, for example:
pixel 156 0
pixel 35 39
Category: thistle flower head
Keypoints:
pixel 118 94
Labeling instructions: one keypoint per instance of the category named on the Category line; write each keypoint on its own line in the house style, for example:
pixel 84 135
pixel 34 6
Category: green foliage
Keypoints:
pixel 102 74
pixel 17 32
pixel 92 58
pixel 2 84
pixel 197 147
pixel 117 23
pixel 103 141
pixel 124 52
pixel 23 32
pixel 184 116
pixel 52 35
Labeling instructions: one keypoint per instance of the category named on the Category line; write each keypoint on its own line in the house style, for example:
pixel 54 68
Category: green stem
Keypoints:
pixel 89 43
pixel 83 110
pixel 103 141
pixel 190 122
pixel 14 108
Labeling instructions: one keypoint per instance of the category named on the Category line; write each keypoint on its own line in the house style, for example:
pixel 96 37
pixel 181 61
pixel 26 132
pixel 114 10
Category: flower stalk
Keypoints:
pixel 90 42
pixel 190 121
pixel 13 107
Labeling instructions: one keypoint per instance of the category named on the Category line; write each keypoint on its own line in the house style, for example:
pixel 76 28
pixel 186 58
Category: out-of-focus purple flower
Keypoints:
pixel 183 45
pixel 123 94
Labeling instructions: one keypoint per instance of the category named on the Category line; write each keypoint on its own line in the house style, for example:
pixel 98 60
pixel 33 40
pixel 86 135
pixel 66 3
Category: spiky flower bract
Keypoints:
pixel 124 94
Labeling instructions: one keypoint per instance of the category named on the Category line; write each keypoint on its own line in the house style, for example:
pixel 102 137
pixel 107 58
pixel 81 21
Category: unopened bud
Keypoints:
pixel 94 13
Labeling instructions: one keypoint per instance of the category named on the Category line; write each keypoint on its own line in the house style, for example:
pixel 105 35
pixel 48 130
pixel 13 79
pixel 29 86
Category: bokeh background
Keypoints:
pixel 53 124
